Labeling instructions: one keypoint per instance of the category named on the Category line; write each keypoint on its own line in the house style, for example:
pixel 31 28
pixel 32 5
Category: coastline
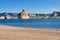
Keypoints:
pixel 19 33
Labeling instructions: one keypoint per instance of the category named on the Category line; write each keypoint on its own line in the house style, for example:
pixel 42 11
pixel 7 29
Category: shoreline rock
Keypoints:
pixel 24 14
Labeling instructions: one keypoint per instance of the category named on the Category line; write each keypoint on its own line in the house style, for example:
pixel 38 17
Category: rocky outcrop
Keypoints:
pixel 24 15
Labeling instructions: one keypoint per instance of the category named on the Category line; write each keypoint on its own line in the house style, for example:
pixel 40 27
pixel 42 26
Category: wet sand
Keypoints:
pixel 18 33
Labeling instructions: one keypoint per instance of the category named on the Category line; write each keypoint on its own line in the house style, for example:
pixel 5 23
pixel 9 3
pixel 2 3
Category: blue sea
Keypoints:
pixel 32 23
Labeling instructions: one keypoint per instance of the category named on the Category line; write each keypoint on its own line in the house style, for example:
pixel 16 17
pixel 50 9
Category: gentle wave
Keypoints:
pixel 34 23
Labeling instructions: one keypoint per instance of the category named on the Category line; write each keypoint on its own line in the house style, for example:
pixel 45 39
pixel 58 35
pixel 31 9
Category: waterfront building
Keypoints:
pixel 36 15
pixel 11 16
pixel 56 14
pixel 32 15
pixel 2 15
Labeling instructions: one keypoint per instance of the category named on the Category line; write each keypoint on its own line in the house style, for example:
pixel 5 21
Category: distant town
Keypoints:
pixel 25 15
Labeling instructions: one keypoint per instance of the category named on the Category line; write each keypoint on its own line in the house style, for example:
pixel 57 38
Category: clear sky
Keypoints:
pixel 31 6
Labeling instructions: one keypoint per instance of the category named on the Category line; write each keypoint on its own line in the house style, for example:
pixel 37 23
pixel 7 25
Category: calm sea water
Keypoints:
pixel 33 23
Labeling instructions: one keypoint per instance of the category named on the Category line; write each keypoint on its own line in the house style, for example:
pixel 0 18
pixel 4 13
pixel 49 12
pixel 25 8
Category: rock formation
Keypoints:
pixel 24 15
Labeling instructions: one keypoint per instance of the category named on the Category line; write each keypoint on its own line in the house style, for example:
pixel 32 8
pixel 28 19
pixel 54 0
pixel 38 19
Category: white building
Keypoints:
pixel 11 16
pixel 2 17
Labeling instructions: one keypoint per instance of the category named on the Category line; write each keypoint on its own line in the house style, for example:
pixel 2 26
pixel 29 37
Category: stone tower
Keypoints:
pixel 24 14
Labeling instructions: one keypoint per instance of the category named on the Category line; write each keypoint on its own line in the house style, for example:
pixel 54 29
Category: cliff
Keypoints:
pixel 24 15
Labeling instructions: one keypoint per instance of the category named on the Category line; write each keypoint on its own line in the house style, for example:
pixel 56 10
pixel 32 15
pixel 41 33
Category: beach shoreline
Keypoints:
pixel 19 33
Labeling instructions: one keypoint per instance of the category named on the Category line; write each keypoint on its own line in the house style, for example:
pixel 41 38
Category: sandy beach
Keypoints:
pixel 16 33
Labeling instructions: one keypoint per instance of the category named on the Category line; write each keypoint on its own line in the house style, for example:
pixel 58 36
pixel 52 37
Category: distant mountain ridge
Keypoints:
pixel 25 15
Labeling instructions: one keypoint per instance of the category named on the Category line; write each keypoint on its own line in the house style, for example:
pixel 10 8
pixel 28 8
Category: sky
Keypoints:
pixel 31 6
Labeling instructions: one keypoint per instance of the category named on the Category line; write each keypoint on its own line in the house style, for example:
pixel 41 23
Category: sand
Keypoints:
pixel 16 33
